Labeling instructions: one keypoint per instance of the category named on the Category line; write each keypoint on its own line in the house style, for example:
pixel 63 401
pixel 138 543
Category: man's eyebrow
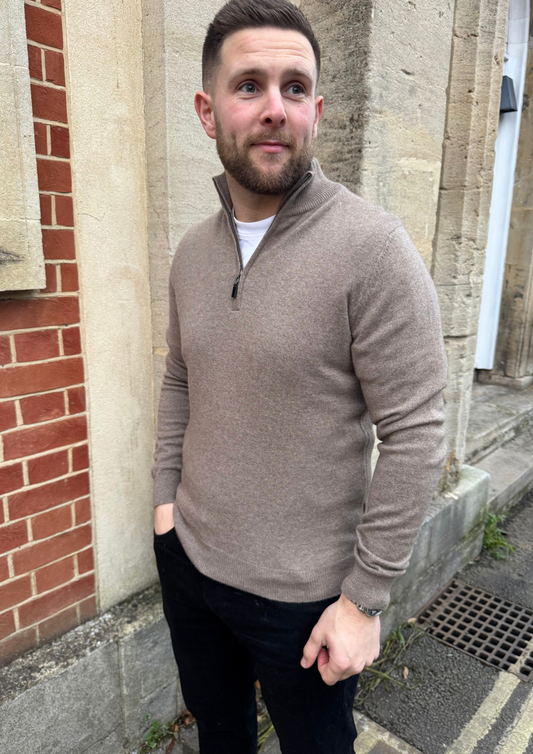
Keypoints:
pixel 289 72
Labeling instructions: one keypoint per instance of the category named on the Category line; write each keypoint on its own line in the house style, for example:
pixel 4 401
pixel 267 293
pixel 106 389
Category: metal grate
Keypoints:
pixel 497 632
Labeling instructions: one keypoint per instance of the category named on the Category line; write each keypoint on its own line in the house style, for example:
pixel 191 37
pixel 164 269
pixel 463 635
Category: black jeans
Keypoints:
pixel 224 639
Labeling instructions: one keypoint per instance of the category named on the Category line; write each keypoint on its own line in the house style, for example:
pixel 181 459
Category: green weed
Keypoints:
pixel 390 664
pixel 494 538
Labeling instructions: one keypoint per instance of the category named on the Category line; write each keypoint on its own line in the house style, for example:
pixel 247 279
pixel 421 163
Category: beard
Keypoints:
pixel 238 163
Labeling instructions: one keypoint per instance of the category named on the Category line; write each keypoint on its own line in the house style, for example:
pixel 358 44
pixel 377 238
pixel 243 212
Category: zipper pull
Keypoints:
pixel 235 286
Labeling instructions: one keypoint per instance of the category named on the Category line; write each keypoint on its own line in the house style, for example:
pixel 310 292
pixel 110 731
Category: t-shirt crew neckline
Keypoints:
pixel 250 235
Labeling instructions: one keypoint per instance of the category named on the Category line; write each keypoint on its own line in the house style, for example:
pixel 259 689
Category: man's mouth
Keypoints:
pixel 270 146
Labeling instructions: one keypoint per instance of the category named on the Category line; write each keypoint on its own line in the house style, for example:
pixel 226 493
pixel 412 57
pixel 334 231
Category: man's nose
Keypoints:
pixel 274 114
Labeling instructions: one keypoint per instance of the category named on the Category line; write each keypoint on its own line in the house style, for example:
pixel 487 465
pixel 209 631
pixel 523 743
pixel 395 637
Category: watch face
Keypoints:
pixel 372 613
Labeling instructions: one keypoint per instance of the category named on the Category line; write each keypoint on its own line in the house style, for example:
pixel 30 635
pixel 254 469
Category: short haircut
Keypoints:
pixel 246 14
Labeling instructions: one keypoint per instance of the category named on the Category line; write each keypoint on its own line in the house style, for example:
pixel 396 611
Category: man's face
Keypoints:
pixel 265 112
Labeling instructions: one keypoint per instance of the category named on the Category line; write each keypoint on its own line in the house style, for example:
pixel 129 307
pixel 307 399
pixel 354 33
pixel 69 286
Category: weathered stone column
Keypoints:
pixel 464 199
pixel 104 45
pixel 411 112
pixel 514 349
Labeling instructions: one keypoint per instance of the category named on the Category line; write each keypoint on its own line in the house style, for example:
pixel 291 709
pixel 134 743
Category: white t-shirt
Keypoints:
pixel 250 235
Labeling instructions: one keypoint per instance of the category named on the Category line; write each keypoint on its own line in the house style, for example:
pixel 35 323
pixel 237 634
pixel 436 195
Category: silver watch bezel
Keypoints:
pixel 368 611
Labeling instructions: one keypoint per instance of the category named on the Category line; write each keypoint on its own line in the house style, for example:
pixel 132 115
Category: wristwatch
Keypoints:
pixel 368 611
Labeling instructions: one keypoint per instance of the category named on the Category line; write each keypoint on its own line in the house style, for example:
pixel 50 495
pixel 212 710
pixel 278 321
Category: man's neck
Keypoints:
pixel 250 207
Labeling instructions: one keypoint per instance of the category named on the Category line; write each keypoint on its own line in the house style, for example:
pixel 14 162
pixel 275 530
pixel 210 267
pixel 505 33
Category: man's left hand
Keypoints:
pixel 344 642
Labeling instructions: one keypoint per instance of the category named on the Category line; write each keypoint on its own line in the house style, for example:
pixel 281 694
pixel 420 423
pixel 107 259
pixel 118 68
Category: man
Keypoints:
pixel 300 315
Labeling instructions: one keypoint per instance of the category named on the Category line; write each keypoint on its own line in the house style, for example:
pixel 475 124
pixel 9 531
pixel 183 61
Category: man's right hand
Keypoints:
pixel 163 518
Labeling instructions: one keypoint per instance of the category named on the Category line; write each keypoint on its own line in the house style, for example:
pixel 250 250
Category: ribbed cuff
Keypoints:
pixel 368 588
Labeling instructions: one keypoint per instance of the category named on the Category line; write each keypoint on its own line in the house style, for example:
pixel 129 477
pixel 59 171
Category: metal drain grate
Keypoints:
pixel 497 632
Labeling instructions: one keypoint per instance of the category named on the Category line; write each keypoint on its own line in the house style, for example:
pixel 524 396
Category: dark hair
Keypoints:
pixel 246 14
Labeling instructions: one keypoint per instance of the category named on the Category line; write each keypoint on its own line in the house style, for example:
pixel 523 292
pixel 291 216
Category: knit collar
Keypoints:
pixel 312 190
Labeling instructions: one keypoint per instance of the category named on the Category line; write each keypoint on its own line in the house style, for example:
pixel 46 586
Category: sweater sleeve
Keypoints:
pixel 399 358
pixel 173 412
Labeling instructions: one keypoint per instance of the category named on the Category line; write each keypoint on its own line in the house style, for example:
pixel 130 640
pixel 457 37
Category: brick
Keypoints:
pixel 83 510
pixel 13 535
pixel 41 141
pixel 45 200
pixel 19 314
pixel 76 400
pixel 8 415
pixel 34 378
pixel 58 624
pixel 58 244
pixel 43 27
pixel 37 345
pixel 4 569
pixel 46 496
pixel 80 457
pixel 53 575
pixel 86 561
pixel 52 522
pixel 71 341
pixel 64 211
pixel 15 591
pixel 11 478
pixel 17 644
pixel 51 278
pixel 42 553
pixel 52 3
pixel 39 408
pixel 49 103
pixel 69 277
pixel 7 626
pixel 35 62
pixel 60 141
pixel 5 350
pixel 53 175
pixel 52 602
pixel 87 609
pixel 47 467
pixel 54 67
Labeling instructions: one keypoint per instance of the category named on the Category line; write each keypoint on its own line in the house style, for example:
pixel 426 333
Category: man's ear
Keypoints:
pixel 319 106
pixel 203 104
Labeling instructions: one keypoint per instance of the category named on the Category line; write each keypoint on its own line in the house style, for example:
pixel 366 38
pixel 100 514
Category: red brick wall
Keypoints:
pixel 46 559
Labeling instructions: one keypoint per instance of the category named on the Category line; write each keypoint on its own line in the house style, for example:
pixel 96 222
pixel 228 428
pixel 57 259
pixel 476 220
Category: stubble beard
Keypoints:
pixel 238 163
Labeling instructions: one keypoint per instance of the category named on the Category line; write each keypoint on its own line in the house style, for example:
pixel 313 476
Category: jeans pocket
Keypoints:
pixel 166 535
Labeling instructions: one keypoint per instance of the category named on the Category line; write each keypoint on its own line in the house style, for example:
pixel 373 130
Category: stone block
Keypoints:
pixel 110 744
pixel 149 677
pixel 69 713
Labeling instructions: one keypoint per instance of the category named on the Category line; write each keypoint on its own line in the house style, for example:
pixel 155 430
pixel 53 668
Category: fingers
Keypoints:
pixel 332 671
pixel 312 648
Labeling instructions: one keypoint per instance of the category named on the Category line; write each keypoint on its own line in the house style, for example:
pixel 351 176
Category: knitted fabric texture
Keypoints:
pixel 265 418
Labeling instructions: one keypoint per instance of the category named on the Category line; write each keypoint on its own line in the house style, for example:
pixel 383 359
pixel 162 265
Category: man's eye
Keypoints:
pixel 296 89
pixel 248 88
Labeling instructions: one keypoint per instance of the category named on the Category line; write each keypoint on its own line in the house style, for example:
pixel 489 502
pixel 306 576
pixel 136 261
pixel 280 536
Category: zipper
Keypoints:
pixel 235 289
pixel 236 285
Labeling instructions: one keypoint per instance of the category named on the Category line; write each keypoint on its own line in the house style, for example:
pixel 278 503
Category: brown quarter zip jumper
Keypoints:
pixel 274 376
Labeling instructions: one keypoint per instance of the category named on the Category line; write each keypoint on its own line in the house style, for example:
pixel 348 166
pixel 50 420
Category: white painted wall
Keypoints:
pixel 502 187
